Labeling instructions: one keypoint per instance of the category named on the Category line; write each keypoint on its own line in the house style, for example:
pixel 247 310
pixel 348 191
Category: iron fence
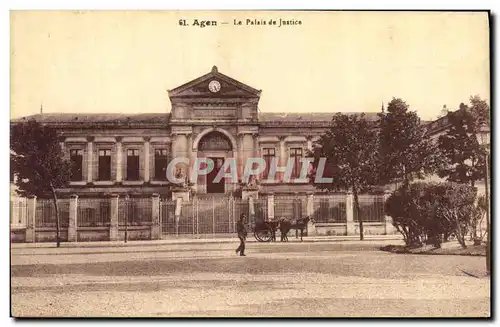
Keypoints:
pixel 330 208
pixel 167 216
pixel 290 207
pixel 46 213
pixel 94 212
pixel 202 216
pixel 134 211
pixel 261 213
pixel 372 208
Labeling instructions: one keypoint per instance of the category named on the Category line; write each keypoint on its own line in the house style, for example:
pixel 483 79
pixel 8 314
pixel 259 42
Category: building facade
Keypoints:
pixel 120 165
pixel 213 116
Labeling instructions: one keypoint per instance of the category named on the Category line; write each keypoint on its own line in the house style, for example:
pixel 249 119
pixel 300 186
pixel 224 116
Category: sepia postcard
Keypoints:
pixel 256 164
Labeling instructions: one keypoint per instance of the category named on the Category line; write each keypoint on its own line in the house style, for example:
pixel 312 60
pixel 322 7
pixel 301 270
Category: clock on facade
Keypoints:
pixel 214 86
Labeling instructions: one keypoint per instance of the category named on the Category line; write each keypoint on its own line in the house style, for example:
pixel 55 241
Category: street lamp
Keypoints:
pixel 483 138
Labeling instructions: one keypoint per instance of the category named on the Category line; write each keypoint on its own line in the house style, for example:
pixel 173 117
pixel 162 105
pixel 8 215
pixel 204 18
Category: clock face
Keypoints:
pixel 214 86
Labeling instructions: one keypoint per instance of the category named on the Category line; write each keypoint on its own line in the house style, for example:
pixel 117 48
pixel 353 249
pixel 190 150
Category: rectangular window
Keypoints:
pixel 104 165
pixel 132 164
pixel 161 164
pixel 76 159
pixel 296 155
pixel 268 154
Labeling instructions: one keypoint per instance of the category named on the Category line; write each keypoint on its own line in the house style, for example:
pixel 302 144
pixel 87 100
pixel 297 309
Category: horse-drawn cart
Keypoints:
pixel 264 231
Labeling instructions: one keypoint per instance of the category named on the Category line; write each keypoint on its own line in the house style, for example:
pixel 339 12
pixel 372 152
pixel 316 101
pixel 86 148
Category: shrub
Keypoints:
pixel 457 208
pixel 429 213
pixel 405 209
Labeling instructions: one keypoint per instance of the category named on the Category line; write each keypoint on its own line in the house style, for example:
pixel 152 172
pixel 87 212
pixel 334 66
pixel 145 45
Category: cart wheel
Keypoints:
pixel 263 235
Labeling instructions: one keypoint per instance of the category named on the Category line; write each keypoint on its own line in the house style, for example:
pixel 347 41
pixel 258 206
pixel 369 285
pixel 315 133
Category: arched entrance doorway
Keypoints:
pixel 216 146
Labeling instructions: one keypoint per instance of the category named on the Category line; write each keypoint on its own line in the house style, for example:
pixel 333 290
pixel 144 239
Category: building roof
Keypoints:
pixel 164 117
pixel 96 118
pixel 307 116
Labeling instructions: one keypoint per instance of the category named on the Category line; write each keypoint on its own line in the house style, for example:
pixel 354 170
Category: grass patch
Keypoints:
pixel 449 248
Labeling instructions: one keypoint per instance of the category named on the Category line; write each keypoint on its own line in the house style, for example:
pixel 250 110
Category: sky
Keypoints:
pixel 125 61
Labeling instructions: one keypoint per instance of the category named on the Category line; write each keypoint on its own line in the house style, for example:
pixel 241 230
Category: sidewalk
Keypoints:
pixel 189 240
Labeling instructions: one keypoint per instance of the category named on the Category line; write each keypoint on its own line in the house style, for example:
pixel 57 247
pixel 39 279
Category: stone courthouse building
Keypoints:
pixel 120 163
pixel 213 116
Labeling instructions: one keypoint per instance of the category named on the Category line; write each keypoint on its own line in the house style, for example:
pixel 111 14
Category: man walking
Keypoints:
pixel 242 234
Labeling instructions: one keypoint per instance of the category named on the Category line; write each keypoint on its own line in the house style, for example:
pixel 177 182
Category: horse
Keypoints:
pixel 274 227
pixel 285 226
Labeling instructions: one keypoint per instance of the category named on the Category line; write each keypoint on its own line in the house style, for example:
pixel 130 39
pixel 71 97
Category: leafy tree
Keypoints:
pixel 350 150
pixel 38 162
pixel 464 156
pixel 406 152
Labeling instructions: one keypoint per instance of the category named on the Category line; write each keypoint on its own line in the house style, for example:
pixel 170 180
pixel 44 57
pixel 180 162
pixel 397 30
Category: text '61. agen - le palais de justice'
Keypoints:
pixel 240 22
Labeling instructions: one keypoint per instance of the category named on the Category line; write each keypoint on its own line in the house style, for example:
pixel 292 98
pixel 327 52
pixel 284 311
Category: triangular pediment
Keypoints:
pixel 227 87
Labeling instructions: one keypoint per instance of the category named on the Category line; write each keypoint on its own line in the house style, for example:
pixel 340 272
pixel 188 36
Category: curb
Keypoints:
pixel 189 241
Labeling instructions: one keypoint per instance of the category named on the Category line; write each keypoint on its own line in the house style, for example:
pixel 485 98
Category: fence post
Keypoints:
pixel 113 219
pixel 24 211
pixel 213 215
pixel 389 228
pixel 127 216
pixel 31 220
pixel 73 219
pixel 230 209
pixel 178 205
pixel 155 217
pixel 311 231
pixel 195 214
pixel 193 218
pixel 270 206
pixel 350 227
pixel 14 213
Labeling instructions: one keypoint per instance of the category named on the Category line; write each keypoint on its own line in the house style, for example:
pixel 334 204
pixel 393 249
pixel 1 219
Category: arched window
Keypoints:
pixel 215 141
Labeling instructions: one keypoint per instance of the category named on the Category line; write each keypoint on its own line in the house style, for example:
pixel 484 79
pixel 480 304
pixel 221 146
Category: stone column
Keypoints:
pixel 309 143
pixel 63 148
pixel 31 220
pixel 270 206
pixel 282 160
pixel 119 160
pixel 350 227
pixel 73 219
pixel 189 148
pixel 193 158
pixel 389 228
pixel 90 143
pixel 173 145
pixel 155 217
pixel 311 230
pixel 146 158
pixel 240 156
pixel 113 223
pixel 309 148
pixel 248 150
pixel 180 149
pixel 256 150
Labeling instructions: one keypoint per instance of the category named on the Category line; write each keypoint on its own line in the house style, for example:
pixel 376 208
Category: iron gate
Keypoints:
pixel 202 216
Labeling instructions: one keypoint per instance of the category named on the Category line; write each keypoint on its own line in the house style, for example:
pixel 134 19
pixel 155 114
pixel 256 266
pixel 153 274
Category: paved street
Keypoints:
pixel 336 279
